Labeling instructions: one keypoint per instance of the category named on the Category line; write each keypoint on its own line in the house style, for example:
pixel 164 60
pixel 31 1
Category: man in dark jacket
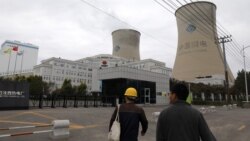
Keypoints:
pixel 130 116
pixel 181 122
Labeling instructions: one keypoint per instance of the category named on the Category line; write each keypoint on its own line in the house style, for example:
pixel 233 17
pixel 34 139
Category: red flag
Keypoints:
pixel 15 48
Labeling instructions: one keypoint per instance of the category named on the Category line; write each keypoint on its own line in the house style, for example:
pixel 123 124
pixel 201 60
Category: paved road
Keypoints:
pixel 91 124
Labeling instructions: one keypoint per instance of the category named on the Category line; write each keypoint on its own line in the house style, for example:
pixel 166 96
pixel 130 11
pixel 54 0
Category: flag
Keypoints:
pixel 189 98
pixel 15 48
pixel 7 51
pixel 20 53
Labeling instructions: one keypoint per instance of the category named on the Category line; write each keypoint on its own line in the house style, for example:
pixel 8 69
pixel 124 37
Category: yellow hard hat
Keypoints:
pixel 131 92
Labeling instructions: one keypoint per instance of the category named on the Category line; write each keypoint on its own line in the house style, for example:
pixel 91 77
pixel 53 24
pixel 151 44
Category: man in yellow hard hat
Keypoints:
pixel 130 115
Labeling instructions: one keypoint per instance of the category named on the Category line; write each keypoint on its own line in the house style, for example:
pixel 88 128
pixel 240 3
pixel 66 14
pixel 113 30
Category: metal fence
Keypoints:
pixel 65 101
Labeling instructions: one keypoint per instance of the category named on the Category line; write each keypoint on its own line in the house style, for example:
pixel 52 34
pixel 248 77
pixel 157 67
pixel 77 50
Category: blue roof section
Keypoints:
pixel 21 44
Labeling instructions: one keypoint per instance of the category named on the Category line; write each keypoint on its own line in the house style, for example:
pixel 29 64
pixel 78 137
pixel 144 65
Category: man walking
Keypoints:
pixel 130 116
pixel 181 122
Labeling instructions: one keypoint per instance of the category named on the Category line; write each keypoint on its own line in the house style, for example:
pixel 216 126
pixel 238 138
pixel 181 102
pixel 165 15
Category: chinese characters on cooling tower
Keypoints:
pixel 14 95
pixel 192 47
pixel 197 53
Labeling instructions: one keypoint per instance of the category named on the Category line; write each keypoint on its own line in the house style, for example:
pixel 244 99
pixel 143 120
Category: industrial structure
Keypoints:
pixel 98 71
pixel 126 44
pixel 199 57
pixel 101 72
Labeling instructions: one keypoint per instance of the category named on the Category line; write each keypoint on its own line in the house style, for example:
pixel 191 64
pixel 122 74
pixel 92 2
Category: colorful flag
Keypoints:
pixel 15 48
pixel 20 53
pixel 189 98
pixel 7 51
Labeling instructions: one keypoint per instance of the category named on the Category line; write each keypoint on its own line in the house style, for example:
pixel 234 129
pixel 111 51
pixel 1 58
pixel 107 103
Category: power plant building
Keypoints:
pixel 199 58
pixel 122 69
pixel 95 70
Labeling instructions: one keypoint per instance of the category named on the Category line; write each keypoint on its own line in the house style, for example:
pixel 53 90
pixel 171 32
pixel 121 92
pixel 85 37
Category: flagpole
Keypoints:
pixel 22 63
pixel 9 64
pixel 15 65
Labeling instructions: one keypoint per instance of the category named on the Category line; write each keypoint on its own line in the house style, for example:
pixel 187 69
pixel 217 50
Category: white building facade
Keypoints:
pixel 92 70
pixel 17 58
pixel 98 62
pixel 56 70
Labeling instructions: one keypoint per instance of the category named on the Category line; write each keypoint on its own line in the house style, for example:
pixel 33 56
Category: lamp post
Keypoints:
pixel 245 71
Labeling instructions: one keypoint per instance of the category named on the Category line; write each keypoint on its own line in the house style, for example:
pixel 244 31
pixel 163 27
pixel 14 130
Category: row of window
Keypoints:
pixel 73 80
pixel 71 66
pixel 73 73
pixel 138 66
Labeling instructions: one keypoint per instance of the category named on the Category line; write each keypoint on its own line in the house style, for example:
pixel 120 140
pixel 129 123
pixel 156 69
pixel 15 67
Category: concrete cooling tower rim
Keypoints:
pixel 120 30
pixel 195 3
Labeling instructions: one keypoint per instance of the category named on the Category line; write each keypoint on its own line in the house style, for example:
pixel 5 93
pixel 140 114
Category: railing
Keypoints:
pixel 65 101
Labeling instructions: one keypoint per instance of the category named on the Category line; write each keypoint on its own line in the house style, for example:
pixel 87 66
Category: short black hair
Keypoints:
pixel 132 98
pixel 180 90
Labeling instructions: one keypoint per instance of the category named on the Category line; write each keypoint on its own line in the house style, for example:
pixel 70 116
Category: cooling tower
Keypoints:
pixel 126 44
pixel 198 56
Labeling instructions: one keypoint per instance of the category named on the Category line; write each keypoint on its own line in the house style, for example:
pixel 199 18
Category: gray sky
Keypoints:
pixel 71 29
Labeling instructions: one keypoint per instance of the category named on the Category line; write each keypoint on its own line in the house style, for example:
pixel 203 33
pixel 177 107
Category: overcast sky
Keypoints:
pixel 71 29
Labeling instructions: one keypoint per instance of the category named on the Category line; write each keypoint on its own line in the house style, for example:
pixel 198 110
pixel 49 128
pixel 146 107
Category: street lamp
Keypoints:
pixel 245 71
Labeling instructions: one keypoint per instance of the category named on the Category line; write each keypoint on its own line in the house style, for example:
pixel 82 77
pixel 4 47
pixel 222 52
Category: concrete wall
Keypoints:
pixel 126 44
pixel 197 53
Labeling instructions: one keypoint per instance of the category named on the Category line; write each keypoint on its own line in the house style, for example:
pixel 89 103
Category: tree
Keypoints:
pixel 52 87
pixel 82 89
pixel 239 84
pixel 19 78
pixel 66 87
pixel 38 88
pixel 66 90
pixel 75 90
pixel 36 85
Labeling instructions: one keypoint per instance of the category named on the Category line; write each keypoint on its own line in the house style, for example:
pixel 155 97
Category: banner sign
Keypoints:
pixel 14 95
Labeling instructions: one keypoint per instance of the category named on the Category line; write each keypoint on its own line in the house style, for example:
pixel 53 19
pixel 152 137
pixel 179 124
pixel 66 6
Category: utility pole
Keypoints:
pixel 224 40
pixel 245 75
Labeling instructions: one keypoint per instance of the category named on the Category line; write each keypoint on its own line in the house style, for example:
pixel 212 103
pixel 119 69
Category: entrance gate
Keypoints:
pixel 147 95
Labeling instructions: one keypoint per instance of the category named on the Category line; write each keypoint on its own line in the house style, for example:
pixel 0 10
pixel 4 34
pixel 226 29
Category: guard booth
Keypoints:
pixel 115 88
pixel 14 95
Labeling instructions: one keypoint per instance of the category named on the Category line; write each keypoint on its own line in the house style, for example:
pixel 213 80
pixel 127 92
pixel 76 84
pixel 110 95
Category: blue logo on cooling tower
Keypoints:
pixel 117 48
pixel 191 28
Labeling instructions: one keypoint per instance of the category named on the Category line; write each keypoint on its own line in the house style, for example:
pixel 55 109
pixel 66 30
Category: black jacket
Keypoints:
pixel 130 115
pixel 181 122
